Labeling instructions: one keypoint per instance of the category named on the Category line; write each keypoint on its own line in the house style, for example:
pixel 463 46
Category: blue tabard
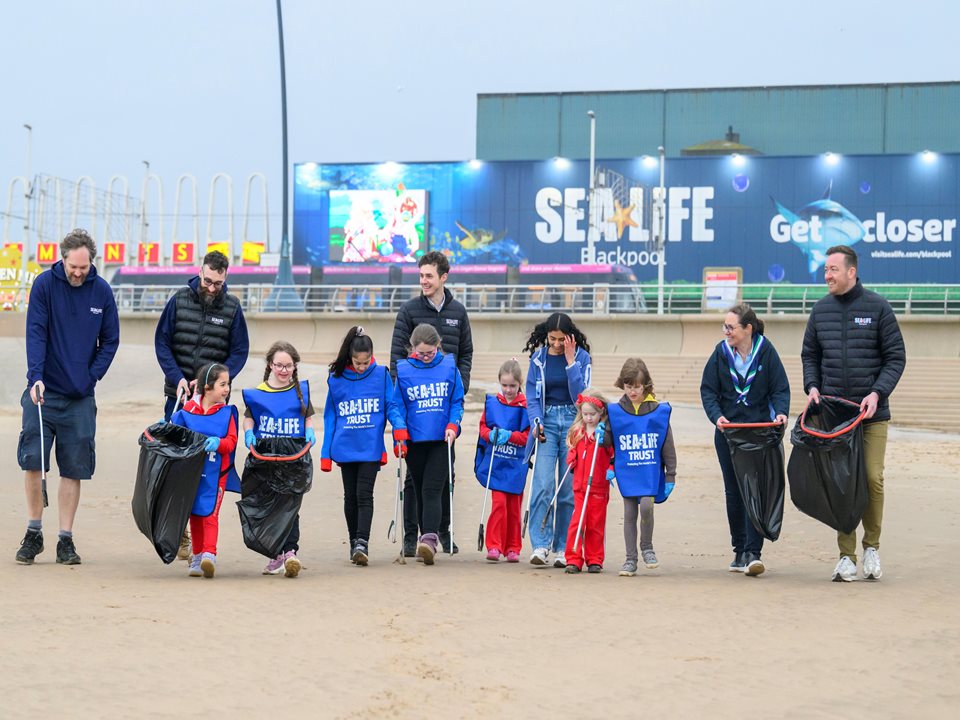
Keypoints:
pixel 637 445
pixel 277 413
pixel 509 473
pixel 427 393
pixel 360 412
pixel 215 425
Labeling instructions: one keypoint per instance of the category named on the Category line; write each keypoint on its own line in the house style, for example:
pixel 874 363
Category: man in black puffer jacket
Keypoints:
pixel 434 306
pixel 853 348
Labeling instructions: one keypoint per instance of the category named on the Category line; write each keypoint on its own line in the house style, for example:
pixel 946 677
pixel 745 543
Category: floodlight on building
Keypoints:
pixel 389 169
pixel 738 160
pixel 928 156
pixel 561 163
pixel 831 158
pixel 475 164
pixel 649 161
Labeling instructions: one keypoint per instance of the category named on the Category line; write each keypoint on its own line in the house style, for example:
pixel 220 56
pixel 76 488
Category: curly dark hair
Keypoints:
pixel 557 321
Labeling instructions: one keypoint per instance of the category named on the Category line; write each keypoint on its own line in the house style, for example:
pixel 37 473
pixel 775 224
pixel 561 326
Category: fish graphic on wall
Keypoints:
pixel 827 223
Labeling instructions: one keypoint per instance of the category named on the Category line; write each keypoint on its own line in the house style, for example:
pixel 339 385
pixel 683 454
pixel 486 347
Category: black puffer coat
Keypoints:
pixel 451 322
pixel 852 347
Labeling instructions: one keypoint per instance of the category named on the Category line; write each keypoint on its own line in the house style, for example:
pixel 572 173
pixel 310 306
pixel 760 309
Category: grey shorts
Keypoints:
pixel 71 422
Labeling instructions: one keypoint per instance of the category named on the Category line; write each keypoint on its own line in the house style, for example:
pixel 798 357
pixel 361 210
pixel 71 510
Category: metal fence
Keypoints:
pixel 581 299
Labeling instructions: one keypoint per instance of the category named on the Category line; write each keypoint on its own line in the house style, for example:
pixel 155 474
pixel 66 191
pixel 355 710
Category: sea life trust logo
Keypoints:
pixel 816 227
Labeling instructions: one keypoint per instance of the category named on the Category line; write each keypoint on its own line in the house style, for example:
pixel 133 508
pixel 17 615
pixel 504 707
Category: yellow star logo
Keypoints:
pixel 621 218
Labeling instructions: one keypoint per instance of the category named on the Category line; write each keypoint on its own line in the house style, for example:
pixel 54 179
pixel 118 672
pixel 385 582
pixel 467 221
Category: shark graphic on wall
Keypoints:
pixel 829 223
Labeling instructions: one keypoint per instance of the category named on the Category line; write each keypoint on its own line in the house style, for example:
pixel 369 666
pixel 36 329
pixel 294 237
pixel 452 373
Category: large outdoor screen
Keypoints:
pixel 377 225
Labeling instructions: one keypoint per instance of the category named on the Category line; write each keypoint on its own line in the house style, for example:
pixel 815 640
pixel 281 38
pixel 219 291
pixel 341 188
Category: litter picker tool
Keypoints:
pixel 486 494
pixel 43 464
pixel 450 476
pixel 553 502
pixel 392 530
pixel 536 458
pixel 598 439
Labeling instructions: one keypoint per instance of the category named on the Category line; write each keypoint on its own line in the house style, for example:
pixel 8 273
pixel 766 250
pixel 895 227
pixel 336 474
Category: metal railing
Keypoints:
pixel 601 299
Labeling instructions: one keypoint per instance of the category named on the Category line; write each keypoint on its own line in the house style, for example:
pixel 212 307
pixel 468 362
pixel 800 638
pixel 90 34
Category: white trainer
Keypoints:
pixel 845 571
pixel 871 564
pixel 539 557
pixel 560 561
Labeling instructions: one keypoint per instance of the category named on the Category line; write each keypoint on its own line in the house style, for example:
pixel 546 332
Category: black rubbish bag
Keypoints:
pixel 277 473
pixel 826 473
pixel 757 454
pixel 168 475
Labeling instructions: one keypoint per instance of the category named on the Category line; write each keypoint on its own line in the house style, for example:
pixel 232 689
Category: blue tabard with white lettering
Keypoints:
pixel 637 444
pixel 509 473
pixel 214 425
pixel 360 416
pixel 426 393
pixel 277 413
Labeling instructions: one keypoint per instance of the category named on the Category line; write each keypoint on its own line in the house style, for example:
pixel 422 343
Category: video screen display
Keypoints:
pixel 377 225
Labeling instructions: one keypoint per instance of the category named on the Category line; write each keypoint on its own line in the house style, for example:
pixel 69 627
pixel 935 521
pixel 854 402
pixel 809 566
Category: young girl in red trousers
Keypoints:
pixel 504 428
pixel 588 427
pixel 208 414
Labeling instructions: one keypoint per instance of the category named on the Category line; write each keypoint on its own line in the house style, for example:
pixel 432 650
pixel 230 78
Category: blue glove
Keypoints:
pixel 249 438
pixel 500 436
pixel 611 476
pixel 310 435
pixel 598 433
pixel 213 444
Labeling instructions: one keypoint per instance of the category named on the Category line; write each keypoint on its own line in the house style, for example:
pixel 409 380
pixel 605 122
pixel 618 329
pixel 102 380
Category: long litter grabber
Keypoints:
pixel 536 458
pixel 450 476
pixel 556 494
pixel 43 464
pixel 598 439
pixel 398 512
pixel 486 494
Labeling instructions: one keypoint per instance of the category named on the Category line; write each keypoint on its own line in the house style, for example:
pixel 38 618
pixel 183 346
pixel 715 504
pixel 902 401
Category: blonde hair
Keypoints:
pixel 512 368
pixel 578 428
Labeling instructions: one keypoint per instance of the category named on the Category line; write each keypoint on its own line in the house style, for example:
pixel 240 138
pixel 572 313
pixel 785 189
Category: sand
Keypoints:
pixel 123 635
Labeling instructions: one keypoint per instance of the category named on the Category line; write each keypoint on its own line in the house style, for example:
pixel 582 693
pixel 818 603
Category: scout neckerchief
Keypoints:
pixel 751 372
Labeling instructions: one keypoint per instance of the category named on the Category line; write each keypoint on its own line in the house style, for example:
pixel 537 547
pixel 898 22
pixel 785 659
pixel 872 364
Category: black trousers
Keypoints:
pixel 358 481
pixel 426 490
pixel 293 539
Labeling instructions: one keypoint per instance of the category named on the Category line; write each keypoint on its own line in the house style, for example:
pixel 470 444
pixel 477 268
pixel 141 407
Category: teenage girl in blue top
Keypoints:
pixel 360 399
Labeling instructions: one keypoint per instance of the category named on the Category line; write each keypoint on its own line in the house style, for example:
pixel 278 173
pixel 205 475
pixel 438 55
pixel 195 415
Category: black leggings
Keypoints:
pixel 358 480
pixel 427 462
pixel 412 521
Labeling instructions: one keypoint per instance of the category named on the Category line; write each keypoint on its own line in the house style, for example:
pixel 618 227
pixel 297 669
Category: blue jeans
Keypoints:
pixel 550 466
pixel 743 535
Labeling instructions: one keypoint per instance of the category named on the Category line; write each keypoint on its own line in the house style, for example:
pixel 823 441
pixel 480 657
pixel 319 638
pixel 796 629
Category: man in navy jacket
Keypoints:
pixel 72 335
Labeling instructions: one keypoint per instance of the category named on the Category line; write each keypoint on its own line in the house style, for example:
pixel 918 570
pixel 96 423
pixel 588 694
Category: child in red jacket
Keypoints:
pixel 504 428
pixel 587 427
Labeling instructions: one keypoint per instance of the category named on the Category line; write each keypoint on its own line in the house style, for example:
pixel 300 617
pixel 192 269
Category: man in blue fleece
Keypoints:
pixel 72 334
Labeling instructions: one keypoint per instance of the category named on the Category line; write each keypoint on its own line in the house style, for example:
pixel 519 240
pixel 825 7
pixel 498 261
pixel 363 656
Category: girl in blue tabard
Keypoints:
pixel 208 414
pixel 360 399
pixel 280 407
pixel 431 389
pixel 504 428
pixel 644 457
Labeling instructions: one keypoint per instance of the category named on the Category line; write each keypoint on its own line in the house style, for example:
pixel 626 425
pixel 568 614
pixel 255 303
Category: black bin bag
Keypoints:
pixel 757 453
pixel 168 475
pixel 277 473
pixel 826 472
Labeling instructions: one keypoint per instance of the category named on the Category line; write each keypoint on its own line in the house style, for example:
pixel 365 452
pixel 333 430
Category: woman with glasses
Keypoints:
pixel 430 385
pixel 280 407
pixel 743 382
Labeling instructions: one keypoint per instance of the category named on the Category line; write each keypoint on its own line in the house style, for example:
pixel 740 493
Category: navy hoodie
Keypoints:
pixel 72 332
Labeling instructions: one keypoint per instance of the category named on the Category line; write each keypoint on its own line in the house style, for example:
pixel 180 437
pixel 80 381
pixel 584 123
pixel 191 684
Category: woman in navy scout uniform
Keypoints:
pixel 430 387
pixel 644 457
pixel 360 399
pixel 280 407
pixel 504 428
pixel 208 415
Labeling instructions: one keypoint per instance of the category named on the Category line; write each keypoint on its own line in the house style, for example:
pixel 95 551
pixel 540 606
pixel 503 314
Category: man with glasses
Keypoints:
pixel 201 323
pixel 435 305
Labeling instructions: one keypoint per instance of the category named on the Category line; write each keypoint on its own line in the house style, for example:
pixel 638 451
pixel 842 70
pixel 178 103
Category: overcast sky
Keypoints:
pixel 193 86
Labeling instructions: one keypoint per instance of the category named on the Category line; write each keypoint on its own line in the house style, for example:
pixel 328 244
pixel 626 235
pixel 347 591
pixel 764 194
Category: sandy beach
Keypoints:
pixel 123 635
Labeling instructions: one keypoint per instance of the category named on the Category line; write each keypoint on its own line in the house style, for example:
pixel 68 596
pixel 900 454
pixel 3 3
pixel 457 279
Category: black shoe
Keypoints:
pixel 737 565
pixel 360 556
pixel 410 547
pixel 66 552
pixel 350 546
pixel 445 543
pixel 752 564
pixel 30 547
pixel 594 568
pixel 572 569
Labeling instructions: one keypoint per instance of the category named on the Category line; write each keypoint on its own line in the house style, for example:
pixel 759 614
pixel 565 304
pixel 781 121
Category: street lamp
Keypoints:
pixel 661 239
pixel 27 198
pixel 591 229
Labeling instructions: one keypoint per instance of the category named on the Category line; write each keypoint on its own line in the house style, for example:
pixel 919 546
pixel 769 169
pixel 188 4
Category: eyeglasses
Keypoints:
pixel 426 355
pixel 728 328
pixel 215 284
pixel 282 368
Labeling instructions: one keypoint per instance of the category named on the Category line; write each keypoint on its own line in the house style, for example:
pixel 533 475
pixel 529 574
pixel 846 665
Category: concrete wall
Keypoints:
pixel 684 335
